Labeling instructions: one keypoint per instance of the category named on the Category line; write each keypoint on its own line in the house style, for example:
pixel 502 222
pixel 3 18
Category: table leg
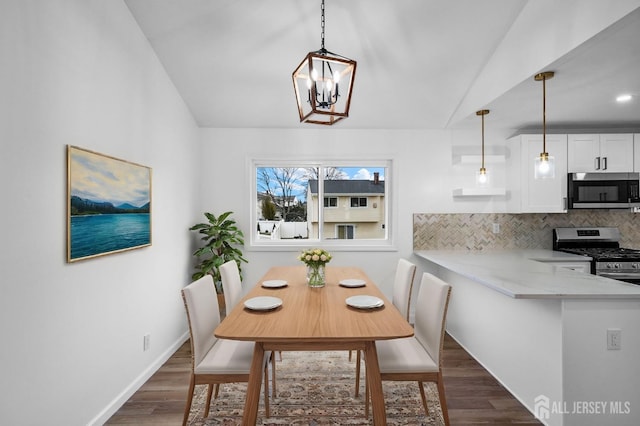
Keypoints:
pixel 253 387
pixel 375 384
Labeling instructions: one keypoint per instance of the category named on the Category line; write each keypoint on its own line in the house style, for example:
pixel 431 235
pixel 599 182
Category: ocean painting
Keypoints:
pixel 109 205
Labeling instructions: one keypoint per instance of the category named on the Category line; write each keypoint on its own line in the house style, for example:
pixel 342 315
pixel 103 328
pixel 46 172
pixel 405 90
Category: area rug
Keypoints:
pixel 317 388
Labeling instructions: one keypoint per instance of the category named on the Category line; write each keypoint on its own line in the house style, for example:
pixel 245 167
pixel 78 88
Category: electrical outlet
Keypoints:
pixel 614 339
pixel 146 342
pixel 496 228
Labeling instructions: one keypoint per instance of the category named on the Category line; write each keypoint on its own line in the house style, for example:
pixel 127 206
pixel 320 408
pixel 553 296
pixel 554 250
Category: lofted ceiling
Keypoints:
pixel 421 63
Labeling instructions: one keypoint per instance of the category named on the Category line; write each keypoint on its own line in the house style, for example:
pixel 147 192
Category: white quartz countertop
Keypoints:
pixel 532 274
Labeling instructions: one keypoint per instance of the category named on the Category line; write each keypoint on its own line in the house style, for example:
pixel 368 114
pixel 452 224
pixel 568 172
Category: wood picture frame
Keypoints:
pixel 108 204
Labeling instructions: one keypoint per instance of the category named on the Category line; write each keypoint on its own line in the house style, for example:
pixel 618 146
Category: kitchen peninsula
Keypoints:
pixel 542 330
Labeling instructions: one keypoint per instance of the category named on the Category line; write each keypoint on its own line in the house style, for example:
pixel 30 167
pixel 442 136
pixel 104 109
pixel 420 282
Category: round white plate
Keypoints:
pixel 353 282
pixel 363 301
pixel 274 283
pixel 262 303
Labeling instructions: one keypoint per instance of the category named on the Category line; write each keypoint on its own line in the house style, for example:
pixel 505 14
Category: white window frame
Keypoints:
pixel 391 190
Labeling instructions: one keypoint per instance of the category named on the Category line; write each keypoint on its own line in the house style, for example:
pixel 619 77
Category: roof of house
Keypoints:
pixel 348 186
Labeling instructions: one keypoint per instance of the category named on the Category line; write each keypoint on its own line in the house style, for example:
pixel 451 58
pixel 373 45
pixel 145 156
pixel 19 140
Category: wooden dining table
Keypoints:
pixel 314 319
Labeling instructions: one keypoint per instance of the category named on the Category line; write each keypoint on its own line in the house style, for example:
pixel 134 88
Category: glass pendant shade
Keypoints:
pixel 483 179
pixel 544 166
pixel 323 83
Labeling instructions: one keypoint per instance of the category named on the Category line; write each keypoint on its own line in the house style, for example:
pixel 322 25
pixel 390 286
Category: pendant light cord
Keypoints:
pixel 482 113
pixel 544 114
pixel 483 140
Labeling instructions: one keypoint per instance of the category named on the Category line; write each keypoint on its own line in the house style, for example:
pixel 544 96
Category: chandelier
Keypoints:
pixel 323 83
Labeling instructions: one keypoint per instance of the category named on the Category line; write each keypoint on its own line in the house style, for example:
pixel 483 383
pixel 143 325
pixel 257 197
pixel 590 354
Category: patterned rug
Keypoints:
pixel 317 388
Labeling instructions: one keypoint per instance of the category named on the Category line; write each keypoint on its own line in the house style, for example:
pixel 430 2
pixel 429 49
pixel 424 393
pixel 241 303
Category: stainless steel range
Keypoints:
pixel 602 244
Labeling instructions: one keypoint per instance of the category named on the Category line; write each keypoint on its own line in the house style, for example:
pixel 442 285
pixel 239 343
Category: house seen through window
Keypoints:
pixel 295 204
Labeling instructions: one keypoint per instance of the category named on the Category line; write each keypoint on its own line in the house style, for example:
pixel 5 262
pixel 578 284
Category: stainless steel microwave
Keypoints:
pixel 604 190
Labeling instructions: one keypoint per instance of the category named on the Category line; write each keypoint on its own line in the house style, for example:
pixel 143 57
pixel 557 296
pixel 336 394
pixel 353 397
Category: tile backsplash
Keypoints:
pixel 474 231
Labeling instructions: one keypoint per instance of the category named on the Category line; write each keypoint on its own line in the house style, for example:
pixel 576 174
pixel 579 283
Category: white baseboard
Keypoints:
pixel 124 396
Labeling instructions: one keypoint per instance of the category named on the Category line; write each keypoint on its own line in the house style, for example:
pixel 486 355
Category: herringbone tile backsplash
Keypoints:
pixel 474 231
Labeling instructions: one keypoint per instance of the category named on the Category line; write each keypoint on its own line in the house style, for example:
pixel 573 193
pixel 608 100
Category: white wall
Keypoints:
pixel 423 174
pixel 81 72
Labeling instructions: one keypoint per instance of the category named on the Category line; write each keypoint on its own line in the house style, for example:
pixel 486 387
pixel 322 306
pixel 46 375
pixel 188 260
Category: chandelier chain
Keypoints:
pixel 322 25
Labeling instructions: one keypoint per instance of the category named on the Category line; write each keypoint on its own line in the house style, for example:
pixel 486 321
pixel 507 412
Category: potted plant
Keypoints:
pixel 222 238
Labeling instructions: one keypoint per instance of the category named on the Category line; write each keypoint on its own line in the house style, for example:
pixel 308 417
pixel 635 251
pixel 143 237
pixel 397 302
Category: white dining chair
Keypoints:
pixel 232 290
pixel 419 357
pixel 401 299
pixel 403 286
pixel 214 361
pixel 231 284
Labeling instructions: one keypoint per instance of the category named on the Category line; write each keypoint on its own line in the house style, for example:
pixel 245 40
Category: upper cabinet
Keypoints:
pixel 599 153
pixel 530 195
pixel 636 152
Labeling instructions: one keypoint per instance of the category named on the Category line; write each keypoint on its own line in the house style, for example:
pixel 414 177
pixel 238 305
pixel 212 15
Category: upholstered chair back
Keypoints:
pixel 231 284
pixel 203 313
pixel 431 311
pixel 402 286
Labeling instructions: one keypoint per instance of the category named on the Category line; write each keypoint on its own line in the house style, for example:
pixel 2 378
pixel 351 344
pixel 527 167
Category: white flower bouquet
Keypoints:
pixel 315 257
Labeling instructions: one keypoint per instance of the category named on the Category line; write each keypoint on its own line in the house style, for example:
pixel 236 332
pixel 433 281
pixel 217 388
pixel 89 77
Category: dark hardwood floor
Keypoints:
pixel 474 397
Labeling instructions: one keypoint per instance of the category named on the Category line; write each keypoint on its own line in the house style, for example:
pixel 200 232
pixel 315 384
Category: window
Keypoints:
pixel 335 203
pixel 358 202
pixel 331 201
pixel 345 232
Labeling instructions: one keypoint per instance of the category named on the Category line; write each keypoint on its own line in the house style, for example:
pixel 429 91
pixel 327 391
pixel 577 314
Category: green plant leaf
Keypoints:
pixel 221 238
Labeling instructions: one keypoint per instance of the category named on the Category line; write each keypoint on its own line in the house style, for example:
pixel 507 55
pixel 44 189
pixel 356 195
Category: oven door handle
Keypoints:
pixel 619 275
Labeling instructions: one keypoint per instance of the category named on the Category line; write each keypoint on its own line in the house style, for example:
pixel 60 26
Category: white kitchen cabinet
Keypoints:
pixel 530 195
pixel 600 153
pixel 636 152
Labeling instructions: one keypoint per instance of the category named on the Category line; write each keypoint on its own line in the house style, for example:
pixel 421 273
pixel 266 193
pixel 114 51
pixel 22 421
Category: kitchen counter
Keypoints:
pixel 533 274
pixel 541 329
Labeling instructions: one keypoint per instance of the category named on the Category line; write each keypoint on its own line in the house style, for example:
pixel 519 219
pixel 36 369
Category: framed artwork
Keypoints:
pixel 108 205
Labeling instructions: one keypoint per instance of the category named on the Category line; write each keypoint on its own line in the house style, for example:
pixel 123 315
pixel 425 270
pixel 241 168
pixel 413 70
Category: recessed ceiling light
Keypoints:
pixel 624 98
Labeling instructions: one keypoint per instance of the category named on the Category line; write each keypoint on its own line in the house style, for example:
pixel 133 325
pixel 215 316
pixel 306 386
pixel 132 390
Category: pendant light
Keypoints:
pixel 544 164
pixel 482 176
pixel 323 83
